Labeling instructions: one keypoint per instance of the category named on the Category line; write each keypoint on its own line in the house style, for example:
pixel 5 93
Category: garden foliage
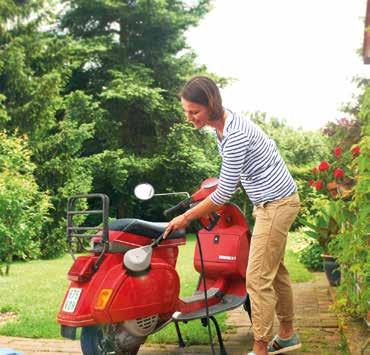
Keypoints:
pixel 23 207
pixel 352 245
pixel 339 223
pixel 94 88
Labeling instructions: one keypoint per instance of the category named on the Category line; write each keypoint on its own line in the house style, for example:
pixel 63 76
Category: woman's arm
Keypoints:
pixel 201 209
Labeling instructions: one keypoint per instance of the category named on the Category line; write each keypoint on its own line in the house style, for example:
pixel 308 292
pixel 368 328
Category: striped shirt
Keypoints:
pixel 250 157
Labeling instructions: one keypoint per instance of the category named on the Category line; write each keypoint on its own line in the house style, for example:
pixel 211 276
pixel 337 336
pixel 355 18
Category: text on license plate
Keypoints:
pixel 72 299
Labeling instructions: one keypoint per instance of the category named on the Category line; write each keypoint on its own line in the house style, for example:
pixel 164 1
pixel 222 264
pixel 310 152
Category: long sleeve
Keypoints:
pixel 234 149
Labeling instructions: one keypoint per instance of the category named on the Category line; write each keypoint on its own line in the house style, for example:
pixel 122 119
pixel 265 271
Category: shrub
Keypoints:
pixel 23 208
pixel 311 257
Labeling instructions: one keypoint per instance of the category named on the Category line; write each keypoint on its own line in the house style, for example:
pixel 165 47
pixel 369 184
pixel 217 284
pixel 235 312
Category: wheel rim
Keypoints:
pixel 105 342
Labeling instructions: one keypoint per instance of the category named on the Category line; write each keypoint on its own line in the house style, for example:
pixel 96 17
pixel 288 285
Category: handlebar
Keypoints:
pixel 186 204
pixel 182 204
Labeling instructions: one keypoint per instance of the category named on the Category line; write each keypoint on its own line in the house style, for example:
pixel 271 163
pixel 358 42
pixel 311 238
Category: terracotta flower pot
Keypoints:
pixel 332 188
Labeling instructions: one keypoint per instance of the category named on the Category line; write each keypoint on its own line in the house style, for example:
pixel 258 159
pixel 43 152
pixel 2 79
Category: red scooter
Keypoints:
pixel 127 286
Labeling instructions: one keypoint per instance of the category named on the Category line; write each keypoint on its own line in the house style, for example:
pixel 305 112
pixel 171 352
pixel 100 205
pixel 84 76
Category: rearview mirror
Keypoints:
pixel 144 191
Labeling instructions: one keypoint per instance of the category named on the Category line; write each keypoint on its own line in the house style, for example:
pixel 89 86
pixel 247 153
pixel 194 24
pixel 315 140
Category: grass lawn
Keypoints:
pixel 35 289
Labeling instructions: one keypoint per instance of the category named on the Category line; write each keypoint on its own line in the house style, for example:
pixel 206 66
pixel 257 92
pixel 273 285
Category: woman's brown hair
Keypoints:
pixel 204 91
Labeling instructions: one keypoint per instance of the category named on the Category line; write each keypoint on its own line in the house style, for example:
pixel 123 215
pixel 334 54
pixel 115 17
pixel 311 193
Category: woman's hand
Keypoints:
pixel 201 209
pixel 178 222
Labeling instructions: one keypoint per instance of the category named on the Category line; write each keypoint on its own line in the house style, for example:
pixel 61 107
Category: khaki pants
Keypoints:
pixel 268 282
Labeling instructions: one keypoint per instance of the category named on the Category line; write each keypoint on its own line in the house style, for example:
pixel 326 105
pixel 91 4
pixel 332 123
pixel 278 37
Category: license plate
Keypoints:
pixel 72 299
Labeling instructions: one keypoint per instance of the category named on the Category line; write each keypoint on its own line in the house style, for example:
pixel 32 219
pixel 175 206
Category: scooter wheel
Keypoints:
pixel 100 340
pixel 92 341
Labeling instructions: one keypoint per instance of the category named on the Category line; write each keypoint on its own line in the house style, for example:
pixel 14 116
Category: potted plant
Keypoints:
pixel 324 228
pixel 333 182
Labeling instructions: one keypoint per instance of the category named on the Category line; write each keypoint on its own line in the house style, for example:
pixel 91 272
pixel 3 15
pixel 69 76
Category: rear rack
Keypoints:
pixel 77 233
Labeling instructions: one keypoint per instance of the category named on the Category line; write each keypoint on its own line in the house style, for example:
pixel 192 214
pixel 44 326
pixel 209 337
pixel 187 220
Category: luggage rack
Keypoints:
pixel 78 233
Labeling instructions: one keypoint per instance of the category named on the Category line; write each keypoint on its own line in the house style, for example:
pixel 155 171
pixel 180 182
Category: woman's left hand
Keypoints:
pixel 178 222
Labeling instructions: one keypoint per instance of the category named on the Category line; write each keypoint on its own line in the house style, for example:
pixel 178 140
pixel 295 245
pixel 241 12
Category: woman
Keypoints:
pixel 251 158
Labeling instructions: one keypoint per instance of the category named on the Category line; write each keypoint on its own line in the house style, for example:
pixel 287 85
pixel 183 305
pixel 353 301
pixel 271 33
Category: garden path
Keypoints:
pixel 316 324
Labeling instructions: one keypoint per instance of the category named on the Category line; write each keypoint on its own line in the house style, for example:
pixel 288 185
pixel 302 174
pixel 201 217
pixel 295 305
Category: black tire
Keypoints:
pixel 95 342
pixel 90 340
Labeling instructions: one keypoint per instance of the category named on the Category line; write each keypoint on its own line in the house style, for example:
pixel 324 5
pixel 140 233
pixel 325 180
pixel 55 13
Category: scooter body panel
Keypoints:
pixel 132 296
pixel 225 252
pixel 155 292
pixel 78 311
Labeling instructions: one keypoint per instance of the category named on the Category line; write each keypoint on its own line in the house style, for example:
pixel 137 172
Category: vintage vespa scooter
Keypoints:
pixel 127 286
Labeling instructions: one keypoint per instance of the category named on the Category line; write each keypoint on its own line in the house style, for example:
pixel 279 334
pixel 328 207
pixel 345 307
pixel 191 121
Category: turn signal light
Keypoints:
pixel 103 298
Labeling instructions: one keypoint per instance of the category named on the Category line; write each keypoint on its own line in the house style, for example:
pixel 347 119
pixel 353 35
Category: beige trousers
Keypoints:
pixel 268 281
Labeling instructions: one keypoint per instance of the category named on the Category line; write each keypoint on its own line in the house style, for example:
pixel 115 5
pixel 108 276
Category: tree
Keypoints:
pixel 23 207
pixel 135 61
pixel 95 92
pixel 34 68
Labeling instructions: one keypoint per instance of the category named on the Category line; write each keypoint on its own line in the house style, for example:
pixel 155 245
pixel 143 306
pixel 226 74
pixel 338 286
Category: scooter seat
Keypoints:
pixel 147 229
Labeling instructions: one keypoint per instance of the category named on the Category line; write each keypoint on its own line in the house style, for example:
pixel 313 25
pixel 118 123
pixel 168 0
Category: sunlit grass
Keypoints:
pixel 34 291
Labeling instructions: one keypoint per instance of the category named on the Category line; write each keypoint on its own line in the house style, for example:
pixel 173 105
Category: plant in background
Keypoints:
pixel 320 225
pixel 23 208
pixel 311 256
pixel 353 242
pixel 335 179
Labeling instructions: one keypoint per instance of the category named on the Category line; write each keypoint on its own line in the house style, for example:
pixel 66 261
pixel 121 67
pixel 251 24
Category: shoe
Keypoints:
pixel 251 353
pixel 279 345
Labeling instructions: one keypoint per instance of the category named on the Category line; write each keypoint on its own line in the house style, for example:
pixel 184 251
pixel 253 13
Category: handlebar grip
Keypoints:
pixel 182 204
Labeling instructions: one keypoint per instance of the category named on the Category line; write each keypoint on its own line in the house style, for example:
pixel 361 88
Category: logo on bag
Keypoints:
pixel 227 257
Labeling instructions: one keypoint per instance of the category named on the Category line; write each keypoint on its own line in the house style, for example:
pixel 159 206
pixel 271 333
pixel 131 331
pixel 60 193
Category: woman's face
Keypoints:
pixel 195 113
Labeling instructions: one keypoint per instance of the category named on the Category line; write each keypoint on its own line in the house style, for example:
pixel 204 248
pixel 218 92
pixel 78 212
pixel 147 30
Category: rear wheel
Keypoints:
pixel 109 340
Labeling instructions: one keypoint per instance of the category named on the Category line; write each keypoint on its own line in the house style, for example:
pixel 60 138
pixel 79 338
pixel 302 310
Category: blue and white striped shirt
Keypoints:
pixel 252 158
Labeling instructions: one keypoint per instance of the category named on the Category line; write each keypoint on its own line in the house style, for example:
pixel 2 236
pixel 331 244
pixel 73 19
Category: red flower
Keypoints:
pixel 338 173
pixel 319 185
pixel 312 182
pixel 356 150
pixel 324 165
pixel 337 152
pixel 315 170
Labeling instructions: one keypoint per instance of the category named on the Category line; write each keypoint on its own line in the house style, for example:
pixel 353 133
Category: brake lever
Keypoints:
pixel 213 222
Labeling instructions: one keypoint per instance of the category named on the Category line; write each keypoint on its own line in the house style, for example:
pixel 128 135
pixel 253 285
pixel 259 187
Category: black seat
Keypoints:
pixel 147 229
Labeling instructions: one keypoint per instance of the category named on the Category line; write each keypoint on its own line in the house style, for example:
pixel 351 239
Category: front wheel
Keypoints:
pixel 109 340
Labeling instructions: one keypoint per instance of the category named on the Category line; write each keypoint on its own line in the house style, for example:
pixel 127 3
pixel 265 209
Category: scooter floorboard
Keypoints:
pixel 199 295
pixel 228 302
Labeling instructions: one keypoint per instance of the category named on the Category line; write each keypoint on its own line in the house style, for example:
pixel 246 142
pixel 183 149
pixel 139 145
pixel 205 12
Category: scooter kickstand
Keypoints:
pixel 179 336
pixel 219 336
